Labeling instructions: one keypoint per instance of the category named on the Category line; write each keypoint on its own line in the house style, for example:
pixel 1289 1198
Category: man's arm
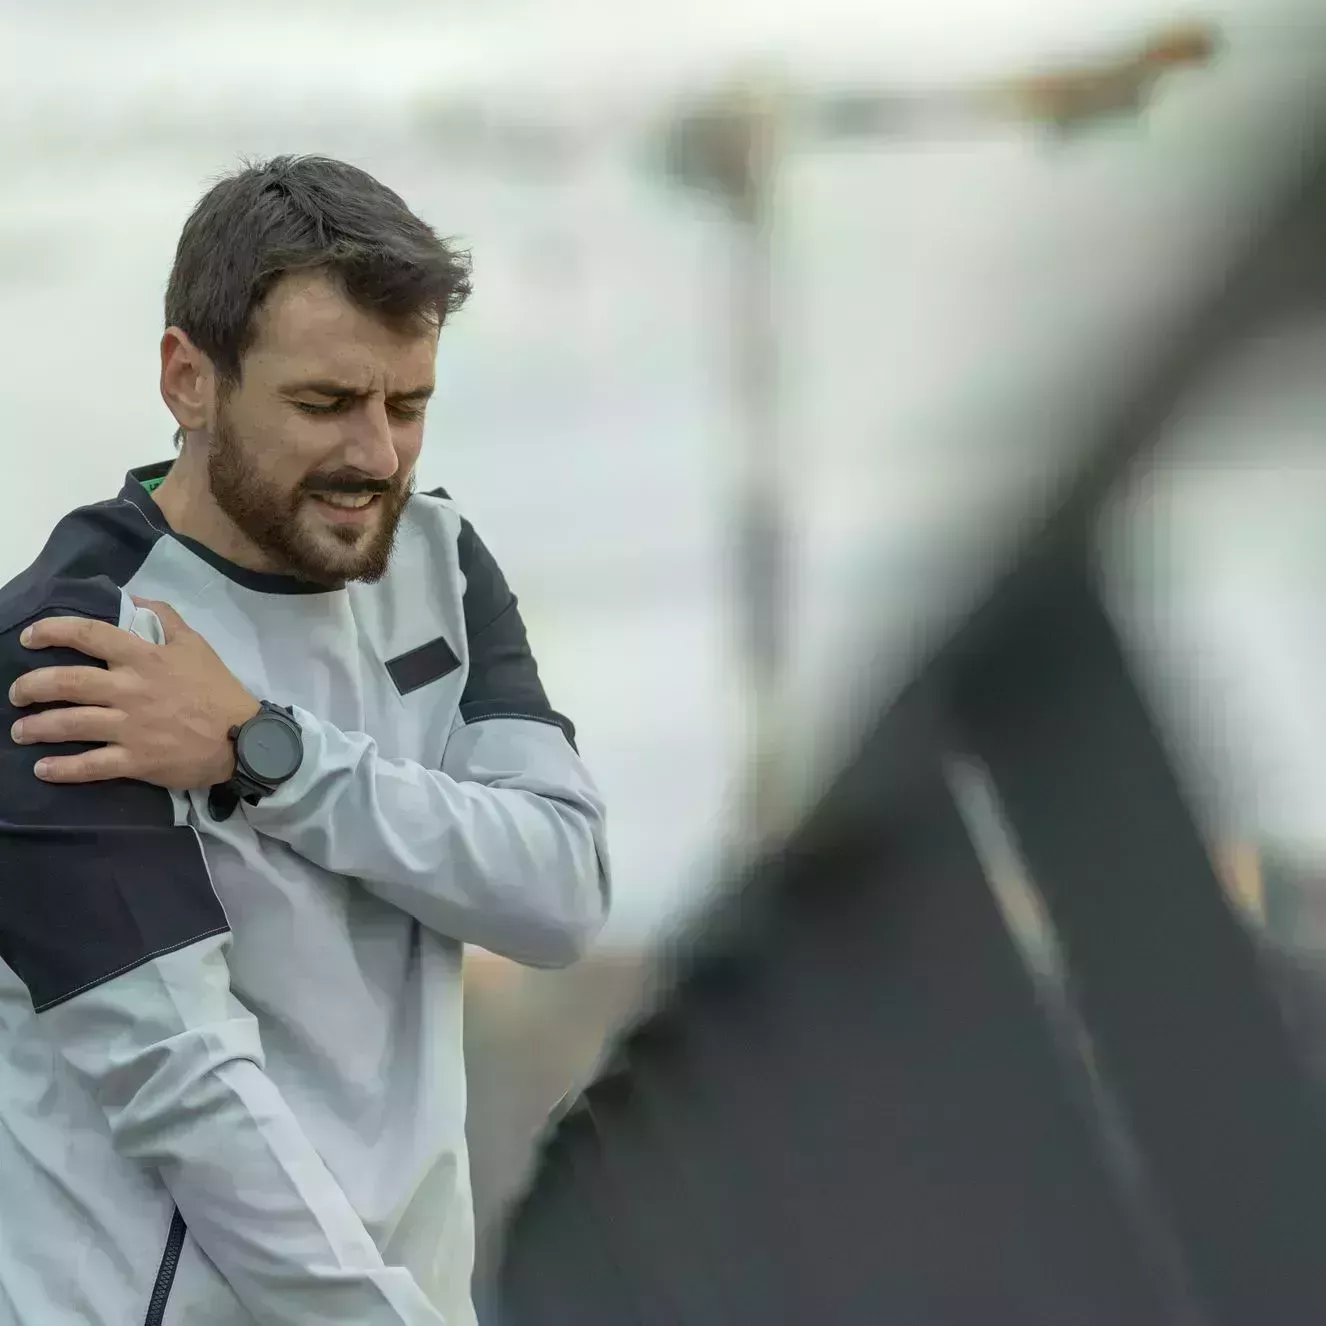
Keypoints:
pixel 108 915
pixel 504 845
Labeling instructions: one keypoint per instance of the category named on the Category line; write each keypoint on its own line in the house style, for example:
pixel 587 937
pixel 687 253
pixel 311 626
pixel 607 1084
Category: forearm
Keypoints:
pixel 510 857
pixel 181 1081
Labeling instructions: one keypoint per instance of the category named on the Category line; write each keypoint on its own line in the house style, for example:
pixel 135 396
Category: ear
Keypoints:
pixel 188 382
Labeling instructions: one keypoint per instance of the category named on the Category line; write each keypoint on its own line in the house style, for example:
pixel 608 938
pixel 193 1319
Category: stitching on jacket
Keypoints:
pixel 531 718
pixel 52 610
pixel 510 607
pixel 129 966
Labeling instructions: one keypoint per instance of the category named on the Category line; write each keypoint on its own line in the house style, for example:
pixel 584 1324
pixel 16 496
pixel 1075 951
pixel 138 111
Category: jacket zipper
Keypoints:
pixel 170 1259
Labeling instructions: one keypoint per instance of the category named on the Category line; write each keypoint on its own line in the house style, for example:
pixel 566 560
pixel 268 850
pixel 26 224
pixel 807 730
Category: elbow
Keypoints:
pixel 569 930
pixel 567 935
pixel 566 942
pixel 548 940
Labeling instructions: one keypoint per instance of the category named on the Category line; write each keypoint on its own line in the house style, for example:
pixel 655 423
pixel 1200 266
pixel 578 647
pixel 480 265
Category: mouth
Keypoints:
pixel 347 508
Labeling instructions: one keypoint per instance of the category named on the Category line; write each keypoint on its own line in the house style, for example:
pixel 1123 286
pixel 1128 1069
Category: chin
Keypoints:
pixel 339 561
pixel 324 559
pixel 332 553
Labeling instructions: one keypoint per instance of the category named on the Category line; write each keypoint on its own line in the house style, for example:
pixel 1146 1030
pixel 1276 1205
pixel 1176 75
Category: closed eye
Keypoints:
pixel 406 413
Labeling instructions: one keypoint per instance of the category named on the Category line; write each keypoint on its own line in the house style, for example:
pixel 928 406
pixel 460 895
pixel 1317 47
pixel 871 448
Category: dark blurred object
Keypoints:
pixel 859 1105
pixel 1294 893
pixel 1298 975
pixel 530 1038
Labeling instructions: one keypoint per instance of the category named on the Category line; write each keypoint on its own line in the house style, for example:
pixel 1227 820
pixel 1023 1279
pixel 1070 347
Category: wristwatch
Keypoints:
pixel 269 749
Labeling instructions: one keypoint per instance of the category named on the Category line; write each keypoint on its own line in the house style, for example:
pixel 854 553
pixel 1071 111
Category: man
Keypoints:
pixel 239 857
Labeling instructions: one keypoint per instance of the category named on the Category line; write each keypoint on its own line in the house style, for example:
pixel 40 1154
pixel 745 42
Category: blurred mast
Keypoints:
pixel 731 146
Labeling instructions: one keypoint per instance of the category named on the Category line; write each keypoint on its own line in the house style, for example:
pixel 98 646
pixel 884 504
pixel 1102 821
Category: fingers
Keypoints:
pixel 95 766
pixel 56 726
pixel 85 634
pixel 171 622
pixel 64 685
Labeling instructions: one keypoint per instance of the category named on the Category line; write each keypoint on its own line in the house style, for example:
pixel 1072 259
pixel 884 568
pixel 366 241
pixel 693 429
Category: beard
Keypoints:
pixel 286 525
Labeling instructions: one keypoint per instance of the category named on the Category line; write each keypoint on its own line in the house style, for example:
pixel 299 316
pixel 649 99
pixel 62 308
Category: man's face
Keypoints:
pixel 314 450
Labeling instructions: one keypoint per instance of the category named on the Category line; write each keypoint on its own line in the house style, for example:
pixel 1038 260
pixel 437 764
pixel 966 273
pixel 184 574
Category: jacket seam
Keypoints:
pixel 509 606
pixel 532 718
pixel 47 609
pixel 129 966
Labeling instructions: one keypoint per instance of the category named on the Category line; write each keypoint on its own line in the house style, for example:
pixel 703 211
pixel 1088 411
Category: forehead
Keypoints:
pixel 307 325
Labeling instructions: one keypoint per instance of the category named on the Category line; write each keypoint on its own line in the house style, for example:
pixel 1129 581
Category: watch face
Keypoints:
pixel 270 748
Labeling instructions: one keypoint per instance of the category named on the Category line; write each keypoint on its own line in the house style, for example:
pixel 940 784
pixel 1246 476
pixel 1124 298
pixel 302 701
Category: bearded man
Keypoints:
pixel 240 857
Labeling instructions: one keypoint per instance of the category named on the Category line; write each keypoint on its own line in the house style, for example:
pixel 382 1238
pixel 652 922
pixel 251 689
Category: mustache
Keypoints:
pixel 352 484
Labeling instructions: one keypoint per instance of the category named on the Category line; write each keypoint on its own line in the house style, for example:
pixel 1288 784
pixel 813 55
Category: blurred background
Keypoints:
pixel 784 316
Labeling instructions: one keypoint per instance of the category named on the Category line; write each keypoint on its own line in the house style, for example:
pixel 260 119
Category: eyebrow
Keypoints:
pixel 339 391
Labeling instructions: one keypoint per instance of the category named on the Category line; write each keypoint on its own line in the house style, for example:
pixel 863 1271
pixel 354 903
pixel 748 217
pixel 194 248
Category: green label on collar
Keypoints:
pixel 153 484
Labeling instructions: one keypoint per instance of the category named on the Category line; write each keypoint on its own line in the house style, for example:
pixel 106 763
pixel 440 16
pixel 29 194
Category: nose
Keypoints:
pixel 372 449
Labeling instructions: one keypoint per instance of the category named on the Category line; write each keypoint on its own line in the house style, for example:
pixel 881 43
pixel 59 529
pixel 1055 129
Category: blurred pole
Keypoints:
pixel 763 557
pixel 730 148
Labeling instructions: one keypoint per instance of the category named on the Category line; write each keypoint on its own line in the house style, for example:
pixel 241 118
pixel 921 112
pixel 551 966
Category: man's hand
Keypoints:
pixel 164 712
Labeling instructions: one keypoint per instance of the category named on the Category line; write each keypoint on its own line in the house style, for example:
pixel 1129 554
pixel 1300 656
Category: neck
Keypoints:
pixel 185 498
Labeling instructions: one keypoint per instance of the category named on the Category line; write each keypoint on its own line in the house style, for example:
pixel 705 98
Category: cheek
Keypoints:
pixel 278 449
pixel 409 442
pixel 300 448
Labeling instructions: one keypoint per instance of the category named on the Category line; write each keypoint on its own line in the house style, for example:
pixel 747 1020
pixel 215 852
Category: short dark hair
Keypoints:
pixel 296 214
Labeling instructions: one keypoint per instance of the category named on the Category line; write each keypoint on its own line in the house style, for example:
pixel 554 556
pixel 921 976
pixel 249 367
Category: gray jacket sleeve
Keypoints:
pixel 110 920
pixel 503 845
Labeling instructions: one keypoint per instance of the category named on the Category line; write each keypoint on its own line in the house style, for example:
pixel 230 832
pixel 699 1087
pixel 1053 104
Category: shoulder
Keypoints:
pixel 435 515
pixel 89 554
pixel 432 502
pixel 25 799
pixel 30 597
pixel 483 578
pixel 107 542
pixel 488 598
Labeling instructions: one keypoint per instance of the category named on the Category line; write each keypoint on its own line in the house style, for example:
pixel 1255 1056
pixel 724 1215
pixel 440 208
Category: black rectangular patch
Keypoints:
pixel 429 662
